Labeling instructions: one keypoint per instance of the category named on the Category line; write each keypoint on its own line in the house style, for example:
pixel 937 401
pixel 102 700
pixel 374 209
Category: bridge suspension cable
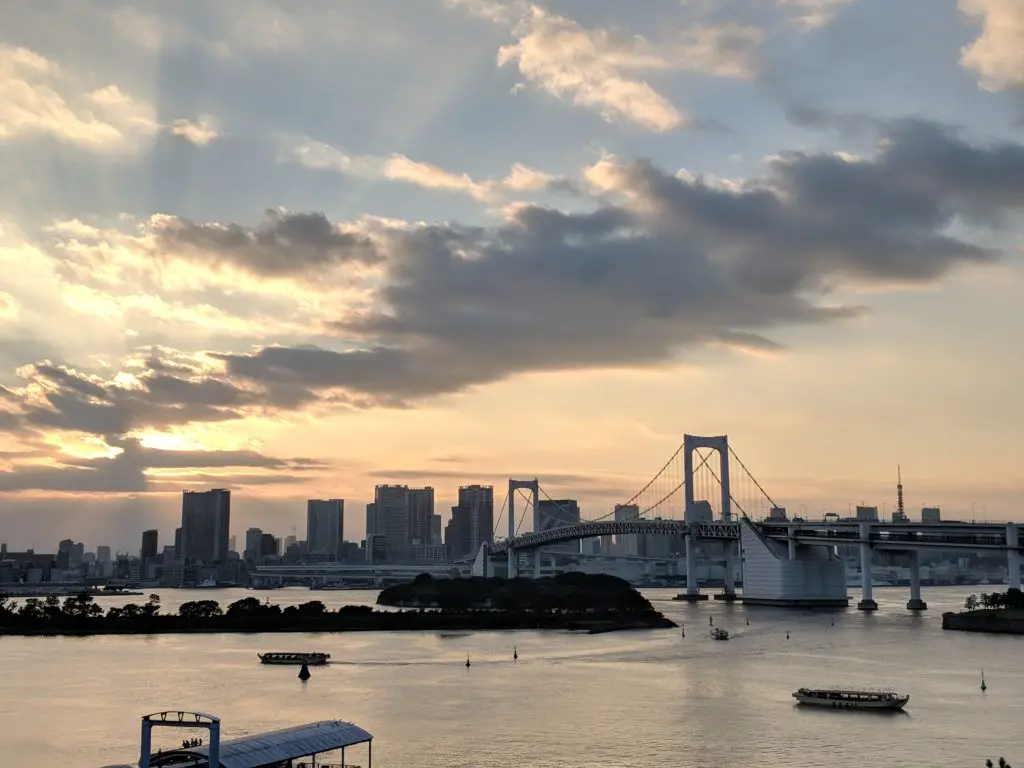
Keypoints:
pixel 751 476
pixel 527 503
pixel 497 522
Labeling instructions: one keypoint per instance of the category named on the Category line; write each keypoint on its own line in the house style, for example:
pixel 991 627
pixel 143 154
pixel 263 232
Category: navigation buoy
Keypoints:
pixel 711 620
pixel 983 686
pixel 787 635
pixel 515 653
pixel 467 660
pixel 833 621
pixel 748 622
pixel 304 672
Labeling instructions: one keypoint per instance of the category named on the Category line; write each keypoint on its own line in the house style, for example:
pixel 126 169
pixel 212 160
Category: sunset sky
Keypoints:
pixel 298 248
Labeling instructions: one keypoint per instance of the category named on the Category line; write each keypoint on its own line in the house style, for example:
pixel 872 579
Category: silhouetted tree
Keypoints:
pixel 151 607
pixel 312 608
pixel 199 609
pixel 32 610
pixel 80 607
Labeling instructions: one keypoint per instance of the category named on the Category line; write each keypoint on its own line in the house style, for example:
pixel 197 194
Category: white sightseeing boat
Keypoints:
pixel 852 698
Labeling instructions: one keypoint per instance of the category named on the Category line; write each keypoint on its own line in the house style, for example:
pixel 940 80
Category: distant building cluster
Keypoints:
pixel 401 529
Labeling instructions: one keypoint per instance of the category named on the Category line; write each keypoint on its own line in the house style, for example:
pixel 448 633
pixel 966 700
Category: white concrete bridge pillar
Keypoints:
pixel 692 593
pixel 730 571
pixel 915 603
pixel 692 589
pixel 867 602
pixel 1013 555
pixel 791 540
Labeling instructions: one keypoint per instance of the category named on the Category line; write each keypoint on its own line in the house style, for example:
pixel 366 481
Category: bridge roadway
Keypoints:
pixel 894 536
pixel 278 574
pixel 883 536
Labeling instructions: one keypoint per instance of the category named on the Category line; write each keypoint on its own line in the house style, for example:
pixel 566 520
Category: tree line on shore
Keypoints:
pixel 435 604
pixel 83 609
pixel 1011 599
pixel 571 592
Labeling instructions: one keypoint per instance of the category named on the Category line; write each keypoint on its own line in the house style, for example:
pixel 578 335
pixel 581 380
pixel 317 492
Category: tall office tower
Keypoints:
pixel 253 536
pixel 179 548
pixel 421 512
pixel 558 513
pixel 149 544
pixel 627 544
pixel 435 530
pixel 479 501
pixel 371 520
pixel 472 521
pixel 205 522
pixel 391 519
pixel 325 526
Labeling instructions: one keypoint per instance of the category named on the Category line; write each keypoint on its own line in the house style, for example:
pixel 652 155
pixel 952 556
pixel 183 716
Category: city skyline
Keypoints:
pixel 307 249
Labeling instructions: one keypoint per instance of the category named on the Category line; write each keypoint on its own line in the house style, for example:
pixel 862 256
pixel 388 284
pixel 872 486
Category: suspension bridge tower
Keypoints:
pixel 695 514
pixel 533 486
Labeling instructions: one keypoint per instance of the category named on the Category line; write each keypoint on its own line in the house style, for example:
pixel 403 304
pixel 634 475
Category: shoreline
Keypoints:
pixel 997 622
pixel 411 622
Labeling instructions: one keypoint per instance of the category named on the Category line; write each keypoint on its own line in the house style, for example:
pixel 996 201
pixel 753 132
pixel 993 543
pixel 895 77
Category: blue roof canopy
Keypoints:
pixel 276 746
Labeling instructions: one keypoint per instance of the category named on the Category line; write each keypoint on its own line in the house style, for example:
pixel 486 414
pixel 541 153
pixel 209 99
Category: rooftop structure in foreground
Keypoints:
pixel 323 740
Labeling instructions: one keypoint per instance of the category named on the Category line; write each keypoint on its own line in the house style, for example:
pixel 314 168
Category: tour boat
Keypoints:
pixel 312 659
pixel 717 633
pixel 852 698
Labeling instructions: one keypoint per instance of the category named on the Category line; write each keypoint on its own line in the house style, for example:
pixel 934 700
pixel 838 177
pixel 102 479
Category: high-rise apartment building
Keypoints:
pixel 472 521
pixel 557 513
pixel 627 544
pixel 391 518
pixel 149 544
pixel 325 526
pixel 371 520
pixel 253 536
pixel 421 512
pixel 205 525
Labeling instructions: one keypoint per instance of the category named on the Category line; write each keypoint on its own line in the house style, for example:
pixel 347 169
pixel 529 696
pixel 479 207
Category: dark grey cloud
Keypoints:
pixel 283 244
pixel 126 472
pixel 73 401
pixel 685 263
pixel 681 264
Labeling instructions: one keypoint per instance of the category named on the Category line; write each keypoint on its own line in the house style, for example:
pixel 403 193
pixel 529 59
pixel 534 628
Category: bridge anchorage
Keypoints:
pixel 686 516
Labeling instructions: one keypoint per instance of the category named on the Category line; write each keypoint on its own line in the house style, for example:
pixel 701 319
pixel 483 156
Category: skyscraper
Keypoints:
pixel 557 513
pixel 392 513
pixel 421 511
pixel 253 536
pixel 205 522
pixel 472 521
pixel 149 544
pixel 325 526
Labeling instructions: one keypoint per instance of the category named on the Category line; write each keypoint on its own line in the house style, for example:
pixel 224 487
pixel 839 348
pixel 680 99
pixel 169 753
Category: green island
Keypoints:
pixel 998 612
pixel 572 601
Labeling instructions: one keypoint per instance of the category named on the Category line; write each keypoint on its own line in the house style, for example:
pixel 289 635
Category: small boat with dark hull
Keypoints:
pixel 717 633
pixel 877 699
pixel 310 659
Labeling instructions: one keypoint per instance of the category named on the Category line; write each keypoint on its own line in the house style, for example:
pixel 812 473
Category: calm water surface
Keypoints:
pixel 573 701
